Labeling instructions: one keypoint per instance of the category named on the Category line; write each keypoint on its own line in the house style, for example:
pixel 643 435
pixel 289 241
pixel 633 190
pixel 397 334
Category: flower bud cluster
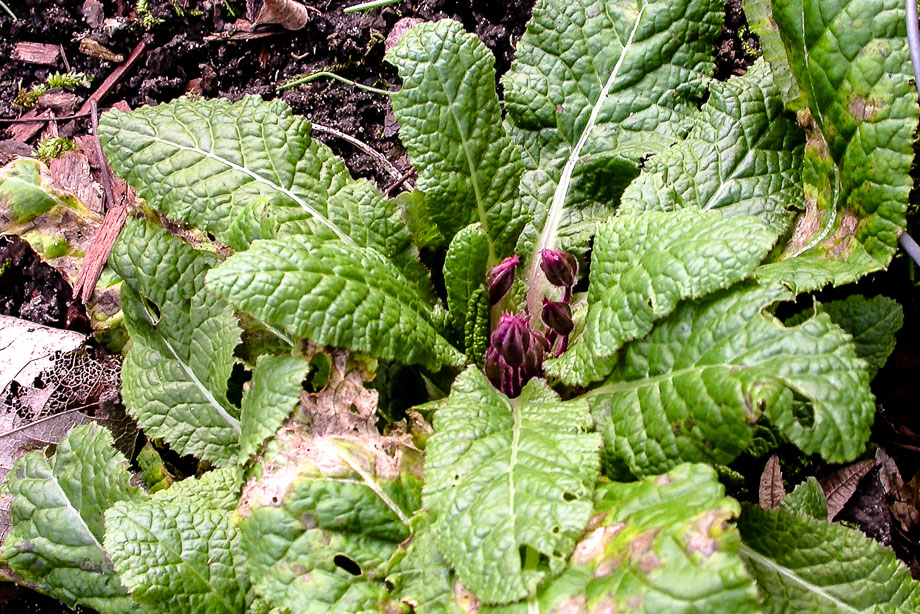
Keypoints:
pixel 515 354
pixel 516 351
pixel 561 269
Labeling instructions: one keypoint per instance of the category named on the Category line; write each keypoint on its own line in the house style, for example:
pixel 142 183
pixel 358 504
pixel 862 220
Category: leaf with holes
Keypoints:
pixel 324 517
pixel 509 482
pixel 175 374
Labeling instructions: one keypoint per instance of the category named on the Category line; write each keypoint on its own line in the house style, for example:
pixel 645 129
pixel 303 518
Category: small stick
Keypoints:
pixel 113 78
pixel 362 146
pixel 399 182
pixel 31 120
pixel 103 161
pixel 331 75
pixel 104 239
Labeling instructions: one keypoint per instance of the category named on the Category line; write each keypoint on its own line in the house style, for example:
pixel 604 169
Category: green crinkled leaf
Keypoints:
pixel 643 265
pixel 206 162
pixel 177 551
pixel 420 576
pixel 873 323
pixel 465 269
pixel 807 498
pixel 659 546
pixel 324 517
pixel 276 385
pixel 503 475
pixel 56 520
pixel 806 565
pixel 334 294
pixel 451 126
pixel 694 388
pixel 856 101
pixel 600 86
pixel 175 374
pixel 742 157
pixel 201 161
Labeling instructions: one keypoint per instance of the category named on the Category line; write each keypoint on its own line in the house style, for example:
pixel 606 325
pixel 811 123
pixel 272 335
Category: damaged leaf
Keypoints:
pixel 661 545
pixel 840 485
pixel 772 492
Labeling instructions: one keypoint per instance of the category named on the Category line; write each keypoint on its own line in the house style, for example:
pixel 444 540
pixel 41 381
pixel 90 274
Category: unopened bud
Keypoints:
pixel 558 317
pixel 493 367
pixel 560 267
pixel 500 277
pixel 511 339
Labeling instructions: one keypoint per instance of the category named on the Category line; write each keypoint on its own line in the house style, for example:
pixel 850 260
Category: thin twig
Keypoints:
pixel 47 418
pixel 331 75
pixel 37 119
pixel 366 6
pixel 362 146
pixel 400 182
pixel 8 11
pixel 103 161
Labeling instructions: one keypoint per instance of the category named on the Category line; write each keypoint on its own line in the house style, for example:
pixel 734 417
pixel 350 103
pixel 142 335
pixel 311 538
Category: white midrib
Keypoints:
pixel 370 482
pixel 747 552
pixel 76 513
pixel 512 462
pixel 260 179
pixel 554 216
pixel 211 399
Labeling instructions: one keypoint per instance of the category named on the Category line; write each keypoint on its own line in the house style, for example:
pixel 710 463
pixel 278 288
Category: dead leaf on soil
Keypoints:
pixel 840 485
pixel 772 492
pixel 48 383
pixel 903 499
pixel 291 15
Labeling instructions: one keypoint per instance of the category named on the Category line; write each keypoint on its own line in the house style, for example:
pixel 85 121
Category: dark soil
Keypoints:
pixel 35 291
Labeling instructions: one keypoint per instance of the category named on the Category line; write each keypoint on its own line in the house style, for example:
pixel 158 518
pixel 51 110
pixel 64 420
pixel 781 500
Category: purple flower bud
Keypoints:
pixel 494 367
pixel 558 317
pixel 500 277
pixel 560 267
pixel 533 360
pixel 511 338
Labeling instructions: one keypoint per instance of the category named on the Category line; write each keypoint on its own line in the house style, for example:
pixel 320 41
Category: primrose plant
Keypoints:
pixel 547 432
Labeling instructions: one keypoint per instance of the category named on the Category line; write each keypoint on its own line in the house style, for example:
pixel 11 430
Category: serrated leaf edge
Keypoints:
pixel 747 552
pixel 230 420
pixel 191 568
pixel 259 179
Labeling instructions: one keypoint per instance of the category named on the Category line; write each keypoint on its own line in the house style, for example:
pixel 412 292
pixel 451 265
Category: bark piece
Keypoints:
pixel 36 53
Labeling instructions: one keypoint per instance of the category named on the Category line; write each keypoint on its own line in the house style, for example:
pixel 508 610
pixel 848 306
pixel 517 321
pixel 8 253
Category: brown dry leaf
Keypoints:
pixel 344 405
pixel 49 383
pixel 903 499
pixel 840 485
pixel 291 15
pixel 334 432
pixel 772 492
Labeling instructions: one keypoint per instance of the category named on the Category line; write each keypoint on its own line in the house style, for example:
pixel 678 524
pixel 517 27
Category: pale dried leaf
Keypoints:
pixel 903 499
pixel 772 492
pixel 289 14
pixel 344 405
pixel 840 485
